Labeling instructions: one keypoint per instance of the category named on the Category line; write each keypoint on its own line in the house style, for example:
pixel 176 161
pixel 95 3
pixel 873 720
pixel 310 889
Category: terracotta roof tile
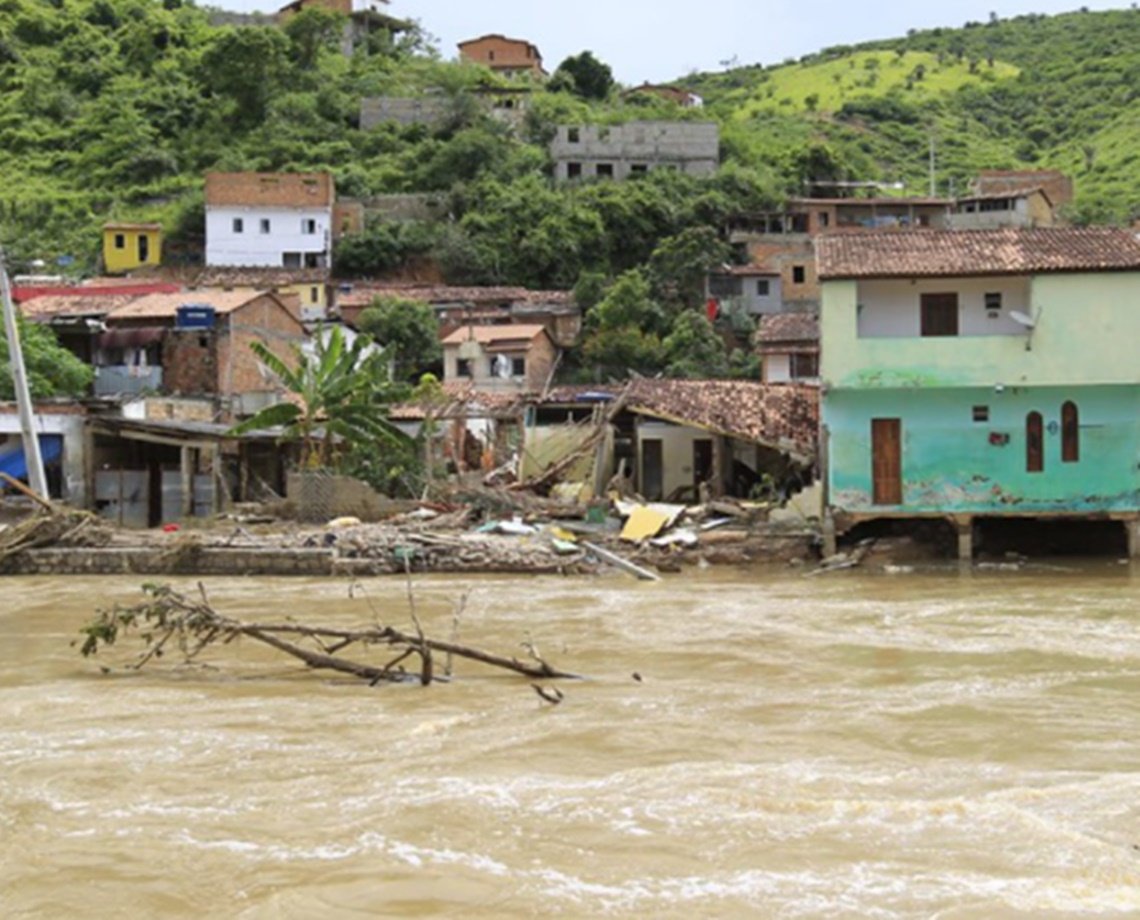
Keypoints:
pixel 165 306
pixel 270 190
pixel 362 295
pixel 782 416
pixel 961 253
pixel 92 303
pixel 788 327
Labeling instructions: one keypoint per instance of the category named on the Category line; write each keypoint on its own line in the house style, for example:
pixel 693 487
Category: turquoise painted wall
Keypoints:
pixel 950 465
pixel 1088 327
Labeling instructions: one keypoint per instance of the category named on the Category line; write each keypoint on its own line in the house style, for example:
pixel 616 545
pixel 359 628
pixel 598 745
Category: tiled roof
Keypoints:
pixel 788 327
pixel 463 400
pixel 495 335
pixel 91 303
pixel 962 253
pixel 362 295
pixel 130 225
pixel 264 278
pixel 783 416
pixel 165 306
pixel 521 59
pixel 269 190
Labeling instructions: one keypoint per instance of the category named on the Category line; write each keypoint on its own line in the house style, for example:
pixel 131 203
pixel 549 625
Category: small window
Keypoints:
pixel 290 260
pixel 490 55
pixel 308 226
pixel 518 367
pixel 1034 443
pixel 762 288
pixel 981 413
pixel 638 169
pixel 798 274
pixel 605 170
pixel 993 301
pixel 939 314
pixel 798 223
pixel 265 225
pixel 824 218
pixel 463 368
pixel 314 294
pixel 804 367
pixel 120 241
pixel 1070 433
pixel 573 135
pixel 239 225
pixel 573 170
pixel 203 341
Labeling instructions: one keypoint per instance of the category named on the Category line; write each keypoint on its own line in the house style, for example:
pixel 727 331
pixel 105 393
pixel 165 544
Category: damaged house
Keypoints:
pixel 677 438
pixel 981 377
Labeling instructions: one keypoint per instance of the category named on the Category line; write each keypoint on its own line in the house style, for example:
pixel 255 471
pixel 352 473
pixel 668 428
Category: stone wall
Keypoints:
pixel 221 561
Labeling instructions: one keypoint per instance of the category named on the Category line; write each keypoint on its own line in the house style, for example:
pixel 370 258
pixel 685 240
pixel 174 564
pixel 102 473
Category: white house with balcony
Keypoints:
pixel 269 220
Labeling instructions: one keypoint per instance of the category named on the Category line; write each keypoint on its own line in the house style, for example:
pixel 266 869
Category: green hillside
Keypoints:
pixel 115 109
pixel 1032 91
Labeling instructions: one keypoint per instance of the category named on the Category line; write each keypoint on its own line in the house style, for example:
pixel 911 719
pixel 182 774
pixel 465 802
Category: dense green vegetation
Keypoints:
pixel 115 109
pixel 1031 91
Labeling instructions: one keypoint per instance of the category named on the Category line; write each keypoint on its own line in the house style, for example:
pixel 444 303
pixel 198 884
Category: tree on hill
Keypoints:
pixel 585 76
pixel 693 349
pixel 408 331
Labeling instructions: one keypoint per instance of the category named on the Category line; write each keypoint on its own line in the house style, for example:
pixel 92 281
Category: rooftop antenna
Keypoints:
pixel 32 455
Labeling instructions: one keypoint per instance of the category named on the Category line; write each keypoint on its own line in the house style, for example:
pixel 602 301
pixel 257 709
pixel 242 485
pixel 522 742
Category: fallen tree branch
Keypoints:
pixel 167 617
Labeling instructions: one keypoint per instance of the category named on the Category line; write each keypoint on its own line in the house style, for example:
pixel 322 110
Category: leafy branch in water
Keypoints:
pixel 167 619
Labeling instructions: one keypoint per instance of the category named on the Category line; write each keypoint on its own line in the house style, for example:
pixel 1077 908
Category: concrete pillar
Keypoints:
pixel 965 539
pixel 830 540
pixel 187 481
pixel 1132 532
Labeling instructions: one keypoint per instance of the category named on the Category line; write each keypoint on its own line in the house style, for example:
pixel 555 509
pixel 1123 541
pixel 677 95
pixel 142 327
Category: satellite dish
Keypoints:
pixel 1022 319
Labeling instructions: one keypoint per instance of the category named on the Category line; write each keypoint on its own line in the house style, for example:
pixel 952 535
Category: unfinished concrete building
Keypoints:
pixel 622 151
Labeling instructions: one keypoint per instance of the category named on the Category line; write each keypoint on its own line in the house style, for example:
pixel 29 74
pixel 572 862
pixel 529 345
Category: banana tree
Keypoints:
pixel 341 397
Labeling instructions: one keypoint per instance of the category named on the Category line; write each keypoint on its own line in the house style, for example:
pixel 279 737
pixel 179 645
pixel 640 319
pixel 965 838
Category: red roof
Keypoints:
pixel 971 253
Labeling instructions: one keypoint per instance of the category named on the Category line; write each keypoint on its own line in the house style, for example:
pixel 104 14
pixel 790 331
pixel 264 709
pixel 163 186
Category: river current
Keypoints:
pixel 933 744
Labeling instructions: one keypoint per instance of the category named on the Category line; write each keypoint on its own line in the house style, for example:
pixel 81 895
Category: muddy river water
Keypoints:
pixel 934 744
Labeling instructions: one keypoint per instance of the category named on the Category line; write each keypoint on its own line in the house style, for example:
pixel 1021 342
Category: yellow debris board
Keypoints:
pixel 643 523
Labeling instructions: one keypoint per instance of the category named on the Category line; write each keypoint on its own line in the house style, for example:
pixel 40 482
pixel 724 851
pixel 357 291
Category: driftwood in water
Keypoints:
pixel 168 619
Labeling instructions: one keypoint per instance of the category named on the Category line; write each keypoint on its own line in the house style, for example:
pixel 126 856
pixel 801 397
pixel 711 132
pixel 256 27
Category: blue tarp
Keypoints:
pixel 15 464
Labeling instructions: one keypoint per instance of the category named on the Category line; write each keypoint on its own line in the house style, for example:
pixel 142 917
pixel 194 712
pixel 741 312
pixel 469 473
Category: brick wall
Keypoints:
pixel 265 320
pixel 784 257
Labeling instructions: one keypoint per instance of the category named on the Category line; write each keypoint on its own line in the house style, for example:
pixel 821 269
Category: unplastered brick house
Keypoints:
pixel 269 220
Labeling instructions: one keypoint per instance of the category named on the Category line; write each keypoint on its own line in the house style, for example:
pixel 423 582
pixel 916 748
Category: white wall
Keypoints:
pixel 890 309
pixel 252 248
pixel 777 368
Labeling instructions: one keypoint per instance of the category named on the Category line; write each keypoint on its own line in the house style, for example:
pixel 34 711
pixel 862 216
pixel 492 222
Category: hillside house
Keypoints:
pixel 509 57
pixel 1056 186
pixel 981 375
pixel 131 246
pixel 363 18
pixel 627 151
pixel 788 345
pixel 499 358
pixel 750 289
pixel 269 220
pixel 993 210
pixel 675 437
pixel 197 344
pixel 481 306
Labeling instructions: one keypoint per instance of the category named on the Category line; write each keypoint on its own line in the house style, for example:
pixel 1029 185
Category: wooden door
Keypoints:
pixel 886 460
pixel 1034 443
pixel 939 314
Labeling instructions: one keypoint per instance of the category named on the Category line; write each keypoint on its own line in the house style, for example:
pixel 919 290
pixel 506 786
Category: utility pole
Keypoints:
pixel 20 382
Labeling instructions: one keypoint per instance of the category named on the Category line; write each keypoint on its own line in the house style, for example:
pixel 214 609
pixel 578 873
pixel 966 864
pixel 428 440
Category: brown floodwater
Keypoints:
pixel 932 744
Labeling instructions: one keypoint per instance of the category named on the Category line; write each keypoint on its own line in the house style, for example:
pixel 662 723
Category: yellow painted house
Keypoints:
pixel 129 246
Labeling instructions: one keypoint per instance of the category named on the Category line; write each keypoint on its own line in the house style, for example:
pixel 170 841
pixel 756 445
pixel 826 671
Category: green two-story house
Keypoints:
pixel 971 374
